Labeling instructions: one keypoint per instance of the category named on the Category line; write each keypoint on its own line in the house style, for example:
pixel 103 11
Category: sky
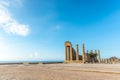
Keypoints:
pixel 37 29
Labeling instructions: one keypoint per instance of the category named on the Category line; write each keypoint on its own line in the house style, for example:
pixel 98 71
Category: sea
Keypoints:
pixel 31 61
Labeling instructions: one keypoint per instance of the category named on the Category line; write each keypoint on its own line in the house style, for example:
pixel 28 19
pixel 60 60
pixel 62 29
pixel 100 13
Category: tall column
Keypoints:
pixel 77 53
pixel 68 53
pixel 83 53
pixel 99 59
pixel 102 60
pixel 109 61
pixel 96 55
pixel 65 53
pixel 71 55
pixel 106 61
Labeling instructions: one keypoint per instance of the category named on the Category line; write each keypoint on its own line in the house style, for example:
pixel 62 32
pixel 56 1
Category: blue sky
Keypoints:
pixel 37 29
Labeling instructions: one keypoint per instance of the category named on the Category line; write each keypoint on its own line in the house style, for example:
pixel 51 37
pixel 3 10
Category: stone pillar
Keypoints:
pixel 68 53
pixel 65 53
pixel 106 61
pixel 115 60
pixel 102 60
pixel 87 57
pixel 71 54
pixel 83 53
pixel 96 56
pixel 77 53
pixel 111 61
pixel 87 53
pixel 99 59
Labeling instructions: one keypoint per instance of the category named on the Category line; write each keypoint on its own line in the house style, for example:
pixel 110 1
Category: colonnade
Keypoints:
pixel 72 55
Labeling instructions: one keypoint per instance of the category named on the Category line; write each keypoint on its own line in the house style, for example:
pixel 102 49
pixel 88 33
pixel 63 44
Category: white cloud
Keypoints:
pixel 11 2
pixel 8 23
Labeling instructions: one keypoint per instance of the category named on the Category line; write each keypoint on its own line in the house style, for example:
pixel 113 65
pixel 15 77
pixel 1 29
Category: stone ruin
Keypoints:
pixel 73 56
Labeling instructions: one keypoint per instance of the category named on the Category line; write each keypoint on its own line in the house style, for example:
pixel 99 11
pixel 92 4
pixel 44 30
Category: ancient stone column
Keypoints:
pixel 71 54
pixel 77 53
pixel 102 61
pixel 83 53
pixel 106 61
pixel 111 61
pixel 68 53
pixel 96 56
pixel 65 53
pixel 99 59
pixel 87 57
pixel 115 60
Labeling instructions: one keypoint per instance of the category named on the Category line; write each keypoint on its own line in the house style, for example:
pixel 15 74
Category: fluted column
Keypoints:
pixel 71 55
pixel 83 53
pixel 77 53
pixel 99 59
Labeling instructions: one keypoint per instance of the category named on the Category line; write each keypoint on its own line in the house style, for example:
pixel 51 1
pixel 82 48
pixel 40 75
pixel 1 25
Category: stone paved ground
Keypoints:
pixel 60 72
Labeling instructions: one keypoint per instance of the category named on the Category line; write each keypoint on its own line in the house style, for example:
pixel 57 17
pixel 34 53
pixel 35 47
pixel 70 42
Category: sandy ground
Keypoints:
pixel 60 72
